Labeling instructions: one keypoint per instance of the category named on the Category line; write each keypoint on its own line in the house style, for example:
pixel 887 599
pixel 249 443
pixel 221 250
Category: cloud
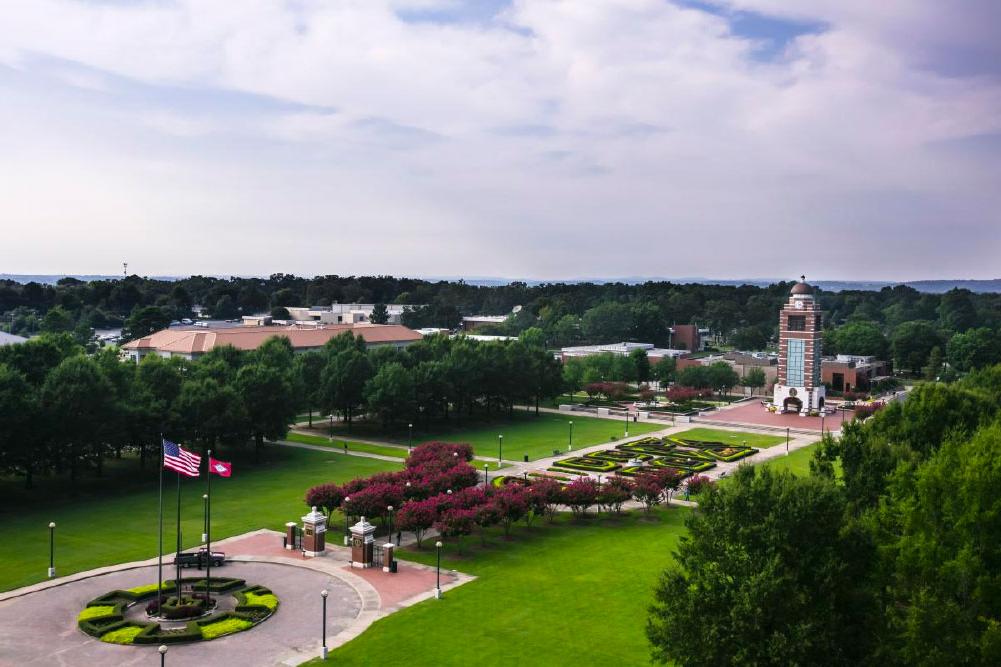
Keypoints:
pixel 544 138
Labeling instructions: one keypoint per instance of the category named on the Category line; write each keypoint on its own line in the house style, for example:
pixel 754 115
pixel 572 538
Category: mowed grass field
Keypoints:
pixel 524 433
pixel 575 592
pixel 757 440
pixel 114 520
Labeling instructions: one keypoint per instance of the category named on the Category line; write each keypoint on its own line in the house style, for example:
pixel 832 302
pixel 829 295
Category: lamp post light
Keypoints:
pixel 822 416
pixel 437 585
pixel 627 424
pixel 163 654
pixel 347 528
pixel 52 549
pixel 390 534
pixel 500 448
pixel 323 594
pixel 486 478
pixel 570 446
pixel 410 437
pixel 787 441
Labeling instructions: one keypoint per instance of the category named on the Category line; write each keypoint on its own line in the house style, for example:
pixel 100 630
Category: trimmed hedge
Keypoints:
pixel 254 604
pixel 586 464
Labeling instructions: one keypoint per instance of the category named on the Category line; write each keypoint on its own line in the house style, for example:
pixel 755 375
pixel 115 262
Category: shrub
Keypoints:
pixel 456 523
pixel 435 452
pixel 225 626
pixel 586 464
pixel 647 490
pixel 614 493
pixel 700 483
pixel 548 494
pixel 149 589
pixel 511 504
pixel 256 599
pixel 123 635
pixel 417 516
pixel 97 611
pixel 327 497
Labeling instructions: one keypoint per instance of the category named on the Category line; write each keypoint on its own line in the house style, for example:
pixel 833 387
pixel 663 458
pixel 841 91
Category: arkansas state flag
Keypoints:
pixel 220 468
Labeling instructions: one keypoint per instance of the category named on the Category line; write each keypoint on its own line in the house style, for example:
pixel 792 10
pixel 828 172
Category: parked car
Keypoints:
pixel 199 558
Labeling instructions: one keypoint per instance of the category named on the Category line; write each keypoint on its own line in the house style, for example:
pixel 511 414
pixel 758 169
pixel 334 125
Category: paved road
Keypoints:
pixel 40 628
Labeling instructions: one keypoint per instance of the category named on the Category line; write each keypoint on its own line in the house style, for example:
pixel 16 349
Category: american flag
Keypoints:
pixel 181 460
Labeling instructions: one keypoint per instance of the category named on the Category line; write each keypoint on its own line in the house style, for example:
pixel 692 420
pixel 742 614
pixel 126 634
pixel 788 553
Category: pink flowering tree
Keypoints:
pixel 456 523
pixel 511 503
pixel 647 490
pixel 486 515
pixel 327 497
pixel 580 494
pixel 547 494
pixel 613 493
pixel 417 516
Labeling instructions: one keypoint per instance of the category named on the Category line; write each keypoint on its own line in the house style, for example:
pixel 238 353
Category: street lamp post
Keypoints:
pixel 347 528
pixel 163 654
pixel 822 415
pixel 437 585
pixel 323 594
pixel 570 447
pixel 486 479
pixel 410 437
pixel 787 440
pixel 500 448
pixel 52 549
pixel 390 534
pixel 627 424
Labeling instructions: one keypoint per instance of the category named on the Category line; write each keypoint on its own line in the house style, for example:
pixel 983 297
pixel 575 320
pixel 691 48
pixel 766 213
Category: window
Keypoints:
pixel 795 358
pixel 797 323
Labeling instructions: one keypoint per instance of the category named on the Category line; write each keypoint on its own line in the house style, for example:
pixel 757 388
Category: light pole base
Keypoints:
pixel 323 653
pixel 626 435
pixel 347 541
pixel 205 538
pixel 52 572
pixel 437 594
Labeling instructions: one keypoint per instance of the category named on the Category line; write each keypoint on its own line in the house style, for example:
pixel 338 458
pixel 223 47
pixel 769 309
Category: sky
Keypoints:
pixel 540 139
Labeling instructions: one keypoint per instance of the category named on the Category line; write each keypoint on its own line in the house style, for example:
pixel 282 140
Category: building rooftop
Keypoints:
pixel 195 340
pixel 10 339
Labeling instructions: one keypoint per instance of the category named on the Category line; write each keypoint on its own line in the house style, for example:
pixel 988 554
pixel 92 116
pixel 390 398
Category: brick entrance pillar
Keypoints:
pixel 362 544
pixel 314 533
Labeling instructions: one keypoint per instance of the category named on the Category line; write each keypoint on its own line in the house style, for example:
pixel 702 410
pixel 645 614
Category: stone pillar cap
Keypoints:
pixel 363 527
pixel 314 517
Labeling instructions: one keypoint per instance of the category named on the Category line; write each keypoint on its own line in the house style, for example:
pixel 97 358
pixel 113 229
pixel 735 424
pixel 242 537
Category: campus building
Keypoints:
pixel 346 313
pixel 193 342
pixel 654 354
pixel 851 372
pixel 798 387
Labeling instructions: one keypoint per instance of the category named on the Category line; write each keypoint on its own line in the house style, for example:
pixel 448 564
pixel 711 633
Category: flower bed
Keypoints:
pixel 105 617
pixel 586 464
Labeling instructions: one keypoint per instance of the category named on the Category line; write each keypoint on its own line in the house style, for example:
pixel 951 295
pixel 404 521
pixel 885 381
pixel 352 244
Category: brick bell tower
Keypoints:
pixel 798 387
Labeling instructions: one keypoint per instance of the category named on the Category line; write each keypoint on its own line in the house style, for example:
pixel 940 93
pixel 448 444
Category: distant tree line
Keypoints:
pixel 886 554
pixel 64 411
pixel 897 321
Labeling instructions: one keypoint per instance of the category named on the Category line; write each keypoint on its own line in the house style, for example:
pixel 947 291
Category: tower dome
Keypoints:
pixel 801 288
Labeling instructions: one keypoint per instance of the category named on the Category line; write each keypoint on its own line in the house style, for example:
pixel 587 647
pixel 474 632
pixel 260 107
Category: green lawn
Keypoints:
pixel 114 520
pixel 757 440
pixel 798 461
pixel 553 595
pixel 524 433
pixel 385 450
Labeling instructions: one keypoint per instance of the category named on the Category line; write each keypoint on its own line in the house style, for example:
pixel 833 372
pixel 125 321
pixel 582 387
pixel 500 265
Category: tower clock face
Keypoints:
pixel 799 304
pixel 793 392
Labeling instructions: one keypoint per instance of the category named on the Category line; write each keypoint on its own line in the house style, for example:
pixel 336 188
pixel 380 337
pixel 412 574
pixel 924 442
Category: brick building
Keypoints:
pixel 798 387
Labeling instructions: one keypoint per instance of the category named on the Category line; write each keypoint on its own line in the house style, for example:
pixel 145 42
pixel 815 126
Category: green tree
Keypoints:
pixel 697 377
pixel 722 377
pixel 608 322
pixel 754 379
pixel 280 313
pixel 225 308
pixel 343 382
pixel 210 412
pixel 913 342
pixel 380 314
pixel 665 370
pixel 944 606
pixel 390 394
pixel 862 338
pixel 956 311
pixel 77 400
pixel 749 338
pixel 268 402
pixel 20 448
pixel 767 575
pixel 573 374
pixel 566 331
pixel 143 321
pixel 309 369
pixel 642 363
pixel 935 363
pixel 57 320
pixel 974 349
pixel 533 337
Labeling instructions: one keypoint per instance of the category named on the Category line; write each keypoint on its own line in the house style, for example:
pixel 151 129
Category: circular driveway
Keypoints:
pixel 40 628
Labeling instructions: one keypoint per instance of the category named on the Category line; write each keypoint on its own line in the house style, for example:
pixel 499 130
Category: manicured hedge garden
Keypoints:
pixel 104 616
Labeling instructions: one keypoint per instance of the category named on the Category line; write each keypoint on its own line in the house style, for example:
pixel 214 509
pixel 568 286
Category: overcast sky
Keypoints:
pixel 533 138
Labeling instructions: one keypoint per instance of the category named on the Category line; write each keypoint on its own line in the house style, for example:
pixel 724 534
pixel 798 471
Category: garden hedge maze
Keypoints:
pixel 685 455
pixel 188 617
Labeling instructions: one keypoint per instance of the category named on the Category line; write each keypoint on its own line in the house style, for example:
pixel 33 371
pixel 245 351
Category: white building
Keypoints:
pixel 346 313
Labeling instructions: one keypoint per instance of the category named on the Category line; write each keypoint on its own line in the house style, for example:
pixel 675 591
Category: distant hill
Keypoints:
pixel 930 286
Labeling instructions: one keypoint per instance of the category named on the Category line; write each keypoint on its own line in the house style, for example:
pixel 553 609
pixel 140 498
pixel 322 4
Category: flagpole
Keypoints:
pixel 159 558
pixel 177 557
pixel 208 528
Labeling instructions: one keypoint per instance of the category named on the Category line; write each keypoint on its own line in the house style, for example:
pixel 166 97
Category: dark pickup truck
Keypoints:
pixel 199 558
